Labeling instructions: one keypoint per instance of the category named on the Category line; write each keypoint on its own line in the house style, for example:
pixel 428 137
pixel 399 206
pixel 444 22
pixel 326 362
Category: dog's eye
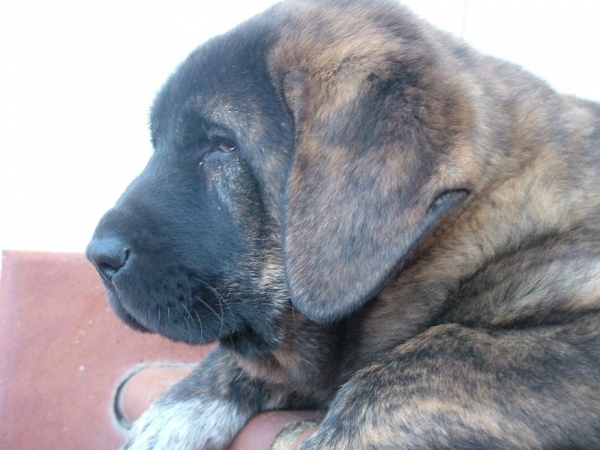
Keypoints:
pixel 224 145
pixel 217 148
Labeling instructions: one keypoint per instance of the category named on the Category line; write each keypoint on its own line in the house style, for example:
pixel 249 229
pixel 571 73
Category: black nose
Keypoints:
pixel 109 255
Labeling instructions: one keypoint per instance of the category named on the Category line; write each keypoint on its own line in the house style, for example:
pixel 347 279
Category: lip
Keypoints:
pixel 133 323
pixel 121 310
pixel 138 319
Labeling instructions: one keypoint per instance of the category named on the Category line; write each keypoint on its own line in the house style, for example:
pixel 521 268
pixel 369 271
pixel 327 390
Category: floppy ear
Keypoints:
pixel 372 172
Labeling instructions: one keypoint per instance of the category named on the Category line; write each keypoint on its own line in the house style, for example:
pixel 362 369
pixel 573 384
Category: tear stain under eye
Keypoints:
pixel 237 194
pixel 225 180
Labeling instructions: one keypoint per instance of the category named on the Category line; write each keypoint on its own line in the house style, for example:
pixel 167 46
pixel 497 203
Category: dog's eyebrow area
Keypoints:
pixel 193 128
pixel 190 134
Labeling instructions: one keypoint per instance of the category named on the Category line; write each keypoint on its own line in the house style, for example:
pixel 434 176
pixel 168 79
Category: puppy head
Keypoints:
pixel 300 156
pixel 191 249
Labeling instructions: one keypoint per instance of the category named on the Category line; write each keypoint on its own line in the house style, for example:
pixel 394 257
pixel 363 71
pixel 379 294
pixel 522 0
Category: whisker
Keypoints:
pixel 222 302
pixel 201 328
pixel 216 294
pixel 220 317
pixel 187 322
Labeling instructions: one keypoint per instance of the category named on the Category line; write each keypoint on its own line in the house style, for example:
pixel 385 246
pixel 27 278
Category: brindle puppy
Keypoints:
pixel 373 219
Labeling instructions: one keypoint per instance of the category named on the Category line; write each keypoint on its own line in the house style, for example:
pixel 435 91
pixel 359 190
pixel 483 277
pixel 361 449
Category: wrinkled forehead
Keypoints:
pixel 236 77
pixel 224 79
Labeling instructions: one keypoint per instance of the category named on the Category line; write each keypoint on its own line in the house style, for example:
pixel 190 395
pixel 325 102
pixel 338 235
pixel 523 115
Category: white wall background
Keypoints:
pixel 77 78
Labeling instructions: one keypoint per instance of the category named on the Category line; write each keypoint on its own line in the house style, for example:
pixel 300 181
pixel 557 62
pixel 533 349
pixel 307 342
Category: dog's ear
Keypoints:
pixel 381 155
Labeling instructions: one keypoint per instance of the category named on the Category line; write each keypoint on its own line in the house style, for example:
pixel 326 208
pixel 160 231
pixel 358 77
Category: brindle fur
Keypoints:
pixel 405 236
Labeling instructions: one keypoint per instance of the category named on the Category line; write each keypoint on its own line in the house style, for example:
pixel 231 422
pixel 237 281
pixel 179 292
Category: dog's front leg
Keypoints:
pixel 453 387
pixel 204 411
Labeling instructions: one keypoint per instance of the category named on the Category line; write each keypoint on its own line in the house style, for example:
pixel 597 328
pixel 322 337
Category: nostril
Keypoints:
pixel 109 255
pixel 111 264
pixel 108 264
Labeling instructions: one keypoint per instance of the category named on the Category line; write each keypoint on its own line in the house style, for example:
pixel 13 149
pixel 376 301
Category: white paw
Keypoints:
pixel 186 425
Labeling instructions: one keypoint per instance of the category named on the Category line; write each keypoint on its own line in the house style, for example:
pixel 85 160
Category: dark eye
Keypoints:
pixel 216 147
pixel 224 145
